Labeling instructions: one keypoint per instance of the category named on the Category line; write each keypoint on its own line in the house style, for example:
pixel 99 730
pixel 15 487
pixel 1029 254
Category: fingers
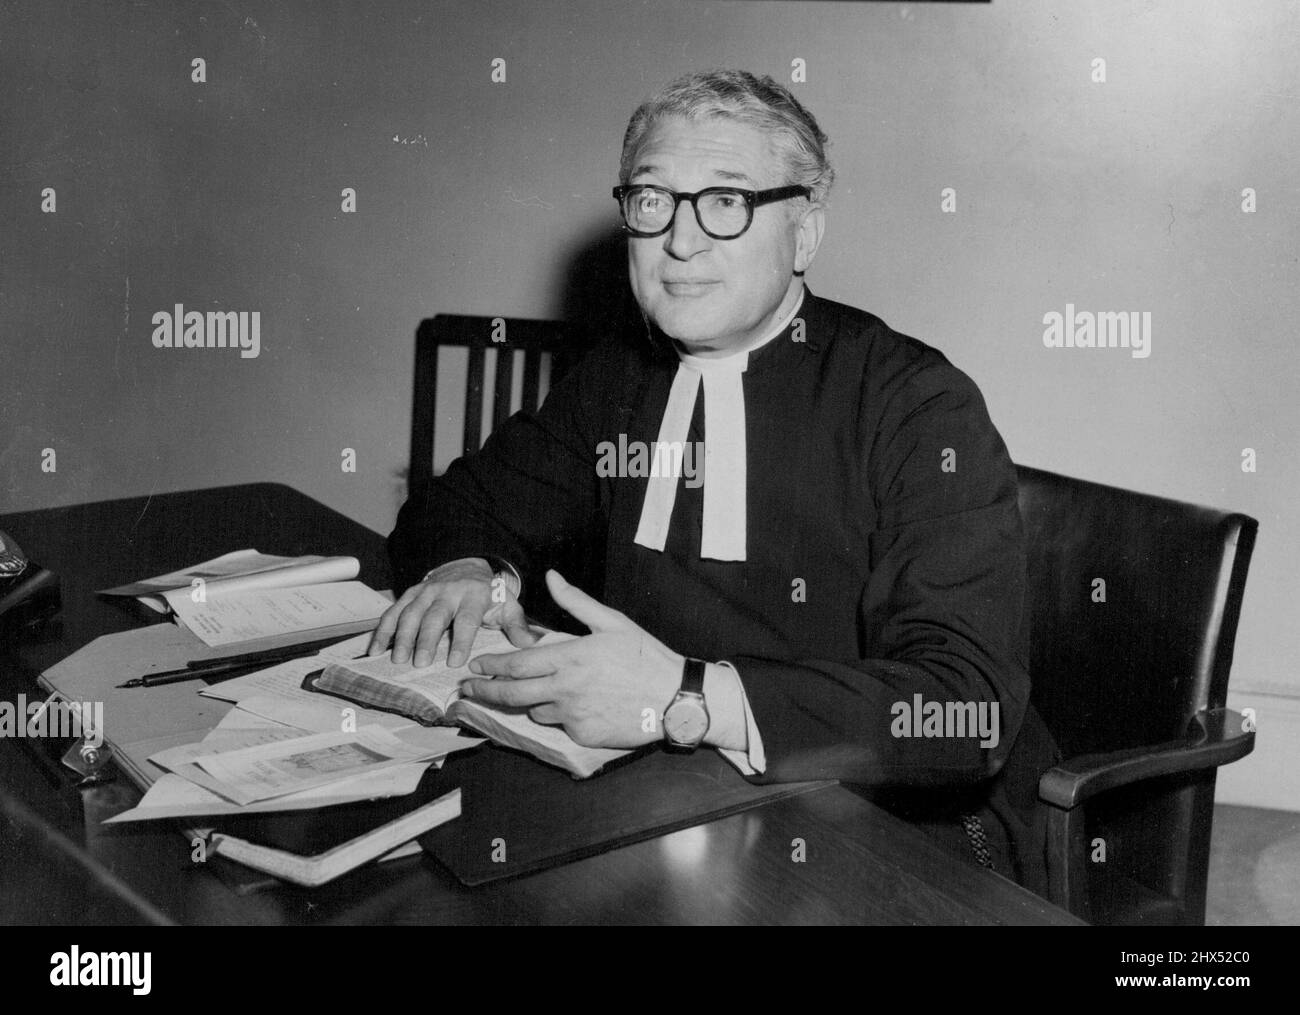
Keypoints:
pixel 417 622
pixel 427 631
pixel 596 615
pixel 465 627
pixel 511 693
pixel 514 624
pixel 527 662
pixel 548 715
pixel 406 625
pixel 388 622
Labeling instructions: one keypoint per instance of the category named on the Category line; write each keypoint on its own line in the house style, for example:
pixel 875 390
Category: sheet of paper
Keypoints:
pixel 248 616
pixel 303 571
pixel 284 680
pixel 322 714
pixel 276 769
pixel 242 569
pixel 237 562
pixel 180 760
pixel 238 719
pixel 174 797
pixel 220 740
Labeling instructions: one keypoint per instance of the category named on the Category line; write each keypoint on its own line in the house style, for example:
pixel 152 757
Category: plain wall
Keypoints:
pixel 485 198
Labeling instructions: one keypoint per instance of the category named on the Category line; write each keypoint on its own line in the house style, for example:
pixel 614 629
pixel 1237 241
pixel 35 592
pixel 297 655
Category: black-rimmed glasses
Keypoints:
pixel 722 212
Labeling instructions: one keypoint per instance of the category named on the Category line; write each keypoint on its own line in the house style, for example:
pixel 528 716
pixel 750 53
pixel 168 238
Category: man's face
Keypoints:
pixel 717 296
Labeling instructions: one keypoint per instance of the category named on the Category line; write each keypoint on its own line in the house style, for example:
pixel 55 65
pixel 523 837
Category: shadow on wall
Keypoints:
pixel 597 296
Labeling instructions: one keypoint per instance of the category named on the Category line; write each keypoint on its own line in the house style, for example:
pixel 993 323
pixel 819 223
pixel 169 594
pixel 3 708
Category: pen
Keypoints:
pixel 228 665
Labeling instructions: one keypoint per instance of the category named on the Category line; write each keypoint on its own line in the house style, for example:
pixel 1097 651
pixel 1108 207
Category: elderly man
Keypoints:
pixel 840 598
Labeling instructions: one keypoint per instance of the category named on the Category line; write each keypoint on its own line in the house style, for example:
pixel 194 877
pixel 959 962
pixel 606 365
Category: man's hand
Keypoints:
pixel 461 596
pixel 607 689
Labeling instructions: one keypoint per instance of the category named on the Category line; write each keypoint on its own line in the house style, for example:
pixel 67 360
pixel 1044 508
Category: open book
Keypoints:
pixel 431 695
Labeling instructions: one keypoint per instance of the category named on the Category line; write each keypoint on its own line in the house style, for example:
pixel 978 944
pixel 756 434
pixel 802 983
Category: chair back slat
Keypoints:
pixel 531 400
pixel 505 372
pixel 473 432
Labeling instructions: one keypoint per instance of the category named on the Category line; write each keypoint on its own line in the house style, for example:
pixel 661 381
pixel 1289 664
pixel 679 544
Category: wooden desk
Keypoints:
pixel 862 865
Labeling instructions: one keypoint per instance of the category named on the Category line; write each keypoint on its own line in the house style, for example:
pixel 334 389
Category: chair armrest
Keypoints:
pixel 1216 738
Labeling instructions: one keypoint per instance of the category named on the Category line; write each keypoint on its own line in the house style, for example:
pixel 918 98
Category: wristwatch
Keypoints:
pixel 686 719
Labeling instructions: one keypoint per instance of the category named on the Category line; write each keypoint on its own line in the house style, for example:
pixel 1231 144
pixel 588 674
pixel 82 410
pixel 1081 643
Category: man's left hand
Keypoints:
pixel 607 689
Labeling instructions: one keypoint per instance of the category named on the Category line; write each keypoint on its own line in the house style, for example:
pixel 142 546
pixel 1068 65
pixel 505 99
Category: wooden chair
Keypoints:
pixel 545 344
pixel 1133 687
pixel 1132 678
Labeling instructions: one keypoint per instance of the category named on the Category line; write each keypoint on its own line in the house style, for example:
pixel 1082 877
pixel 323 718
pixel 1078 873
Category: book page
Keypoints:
pixel 227 620
pixel 437 682
pixel 516 728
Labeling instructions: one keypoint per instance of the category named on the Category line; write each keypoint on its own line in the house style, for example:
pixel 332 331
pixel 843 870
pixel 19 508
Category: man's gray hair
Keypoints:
pixel 744 98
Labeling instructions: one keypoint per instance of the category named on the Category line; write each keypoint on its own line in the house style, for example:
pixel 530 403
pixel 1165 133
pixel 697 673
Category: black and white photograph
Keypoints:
pixel 576 463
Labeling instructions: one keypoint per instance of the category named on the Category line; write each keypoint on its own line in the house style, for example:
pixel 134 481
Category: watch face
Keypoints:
pixel 686 722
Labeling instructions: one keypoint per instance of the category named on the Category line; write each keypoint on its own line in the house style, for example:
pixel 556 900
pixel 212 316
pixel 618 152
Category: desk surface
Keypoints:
pixel 860 865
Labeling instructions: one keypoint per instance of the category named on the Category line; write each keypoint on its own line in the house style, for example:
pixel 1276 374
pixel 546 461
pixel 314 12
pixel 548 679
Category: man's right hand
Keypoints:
pixel 457 596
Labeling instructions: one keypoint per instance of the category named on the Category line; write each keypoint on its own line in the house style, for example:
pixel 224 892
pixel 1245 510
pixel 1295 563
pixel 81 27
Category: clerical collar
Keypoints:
pixel 724 525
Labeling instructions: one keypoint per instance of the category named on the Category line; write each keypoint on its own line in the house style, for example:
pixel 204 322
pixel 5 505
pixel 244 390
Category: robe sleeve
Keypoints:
pixel 531 487
pixel 940 614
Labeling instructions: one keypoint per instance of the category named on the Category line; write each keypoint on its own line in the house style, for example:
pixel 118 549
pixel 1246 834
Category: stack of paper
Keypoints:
pixel 289 761
pixel 284 750
pixel 252 599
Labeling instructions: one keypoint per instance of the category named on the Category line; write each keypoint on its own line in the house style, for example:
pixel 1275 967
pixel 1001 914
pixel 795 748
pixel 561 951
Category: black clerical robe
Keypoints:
pixel 884 559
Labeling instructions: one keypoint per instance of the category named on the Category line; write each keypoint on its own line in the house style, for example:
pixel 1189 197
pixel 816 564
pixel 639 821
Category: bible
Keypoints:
pixel 431 696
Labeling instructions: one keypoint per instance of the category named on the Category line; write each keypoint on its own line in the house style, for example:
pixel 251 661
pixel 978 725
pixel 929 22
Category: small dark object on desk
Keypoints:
pixel 29 594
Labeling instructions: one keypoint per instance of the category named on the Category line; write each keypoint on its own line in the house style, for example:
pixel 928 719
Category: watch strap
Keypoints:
pixel 693 676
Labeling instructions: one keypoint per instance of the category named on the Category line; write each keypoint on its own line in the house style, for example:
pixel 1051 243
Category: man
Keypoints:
pixel 853 555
